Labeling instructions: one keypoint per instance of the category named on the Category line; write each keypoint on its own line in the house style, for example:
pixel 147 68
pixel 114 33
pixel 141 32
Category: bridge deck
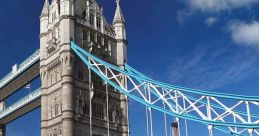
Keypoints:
pixel 20 108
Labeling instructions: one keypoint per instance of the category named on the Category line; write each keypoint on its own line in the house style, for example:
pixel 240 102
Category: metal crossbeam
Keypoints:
pixel 235 114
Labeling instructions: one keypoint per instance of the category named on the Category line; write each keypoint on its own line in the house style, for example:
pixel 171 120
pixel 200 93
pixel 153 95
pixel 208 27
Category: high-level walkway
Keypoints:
pixel 20 76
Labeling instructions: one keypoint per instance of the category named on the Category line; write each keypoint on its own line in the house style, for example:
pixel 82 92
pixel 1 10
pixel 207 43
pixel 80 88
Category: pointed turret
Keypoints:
pixel 119 27
pixel 44 18
pixel 118 18
pixel 45 10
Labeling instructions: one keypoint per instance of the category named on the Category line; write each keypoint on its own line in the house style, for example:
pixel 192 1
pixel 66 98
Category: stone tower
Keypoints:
pixel 65 100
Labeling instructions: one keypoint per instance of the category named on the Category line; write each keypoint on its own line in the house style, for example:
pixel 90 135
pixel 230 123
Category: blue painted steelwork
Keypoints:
pixel 129 68
pixel 132 70
pixel 184 89
pixel 85 56
pixel 35 57
pixel 22 102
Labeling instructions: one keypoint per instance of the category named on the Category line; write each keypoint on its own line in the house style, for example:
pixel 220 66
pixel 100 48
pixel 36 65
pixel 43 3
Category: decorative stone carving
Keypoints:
pixel 54 72
pixel 55 107
pixel 55 131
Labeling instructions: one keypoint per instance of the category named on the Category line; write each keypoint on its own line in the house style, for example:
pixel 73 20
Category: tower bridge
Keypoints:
pixel 86 82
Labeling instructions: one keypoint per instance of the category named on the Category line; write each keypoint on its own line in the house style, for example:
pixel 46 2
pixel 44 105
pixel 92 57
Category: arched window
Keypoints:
pixel 60 106
pixel 98 111
pixel 92 19
pixel 80 75
pixel 98 22
pixel 99 39
pixel 86 108
pixel 92 37
pixel 50 112
pixel 80 107
pixel 56 109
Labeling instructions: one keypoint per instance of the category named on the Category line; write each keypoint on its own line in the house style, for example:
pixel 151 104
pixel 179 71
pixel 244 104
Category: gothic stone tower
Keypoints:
pixel 65 94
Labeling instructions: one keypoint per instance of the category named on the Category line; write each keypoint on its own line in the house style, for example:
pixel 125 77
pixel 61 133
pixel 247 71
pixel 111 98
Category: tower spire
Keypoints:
pixel 118 17
pixel 45 10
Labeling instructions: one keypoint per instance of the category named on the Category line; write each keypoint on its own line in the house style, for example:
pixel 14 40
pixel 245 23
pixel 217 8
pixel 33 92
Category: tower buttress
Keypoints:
pixel 66 31
pixel 44 22
pixel 119 27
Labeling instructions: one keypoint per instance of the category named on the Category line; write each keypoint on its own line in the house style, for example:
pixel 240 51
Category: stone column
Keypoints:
pixel 124 107
pixel 68 96
pixel 44 112
pixel 2 126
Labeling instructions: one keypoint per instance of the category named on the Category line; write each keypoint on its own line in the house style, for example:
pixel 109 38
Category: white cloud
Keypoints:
pixel 208 5
pixel 218 5
pixel 246 34
pixel 210 21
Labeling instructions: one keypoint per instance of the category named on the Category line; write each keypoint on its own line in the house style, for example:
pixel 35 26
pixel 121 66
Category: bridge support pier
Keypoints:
pixel 2 126
pixel 2 130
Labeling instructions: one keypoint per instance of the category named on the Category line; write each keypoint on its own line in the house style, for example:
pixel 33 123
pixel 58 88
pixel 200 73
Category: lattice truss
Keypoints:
pixel 234 114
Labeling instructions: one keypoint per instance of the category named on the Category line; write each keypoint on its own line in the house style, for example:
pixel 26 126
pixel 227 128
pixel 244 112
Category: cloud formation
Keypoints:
pixel 218 5
pixel 209 68
pixel 210 21
pixel 211 7
pixel 246 34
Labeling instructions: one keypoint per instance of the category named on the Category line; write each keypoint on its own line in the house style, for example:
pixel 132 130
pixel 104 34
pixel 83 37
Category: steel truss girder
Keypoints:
pixel 237 117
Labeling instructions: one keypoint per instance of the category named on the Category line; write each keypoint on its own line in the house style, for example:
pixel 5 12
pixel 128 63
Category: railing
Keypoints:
pixel 22 67
pixel 29 98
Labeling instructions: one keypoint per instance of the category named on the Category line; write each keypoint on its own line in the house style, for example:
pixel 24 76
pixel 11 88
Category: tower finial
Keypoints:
pixel 118 2
pixel 118 18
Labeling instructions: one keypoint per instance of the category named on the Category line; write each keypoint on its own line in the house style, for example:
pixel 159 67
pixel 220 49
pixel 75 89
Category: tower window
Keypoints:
pixel 92 37
pixel 86 108
pixel 110 116
pixel 91 19
pixel 80 75
pixel 56 109
pixel 98 110
pixel 85 35
pixel 98 22
pixel 105 42
pixel 84 14
pixel 99 39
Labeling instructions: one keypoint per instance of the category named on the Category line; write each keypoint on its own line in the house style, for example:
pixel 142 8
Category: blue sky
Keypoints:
pixel 204 44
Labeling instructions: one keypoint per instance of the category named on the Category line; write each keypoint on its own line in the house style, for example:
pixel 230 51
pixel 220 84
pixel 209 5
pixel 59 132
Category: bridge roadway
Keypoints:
pixel 21 75
pixel 21 107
